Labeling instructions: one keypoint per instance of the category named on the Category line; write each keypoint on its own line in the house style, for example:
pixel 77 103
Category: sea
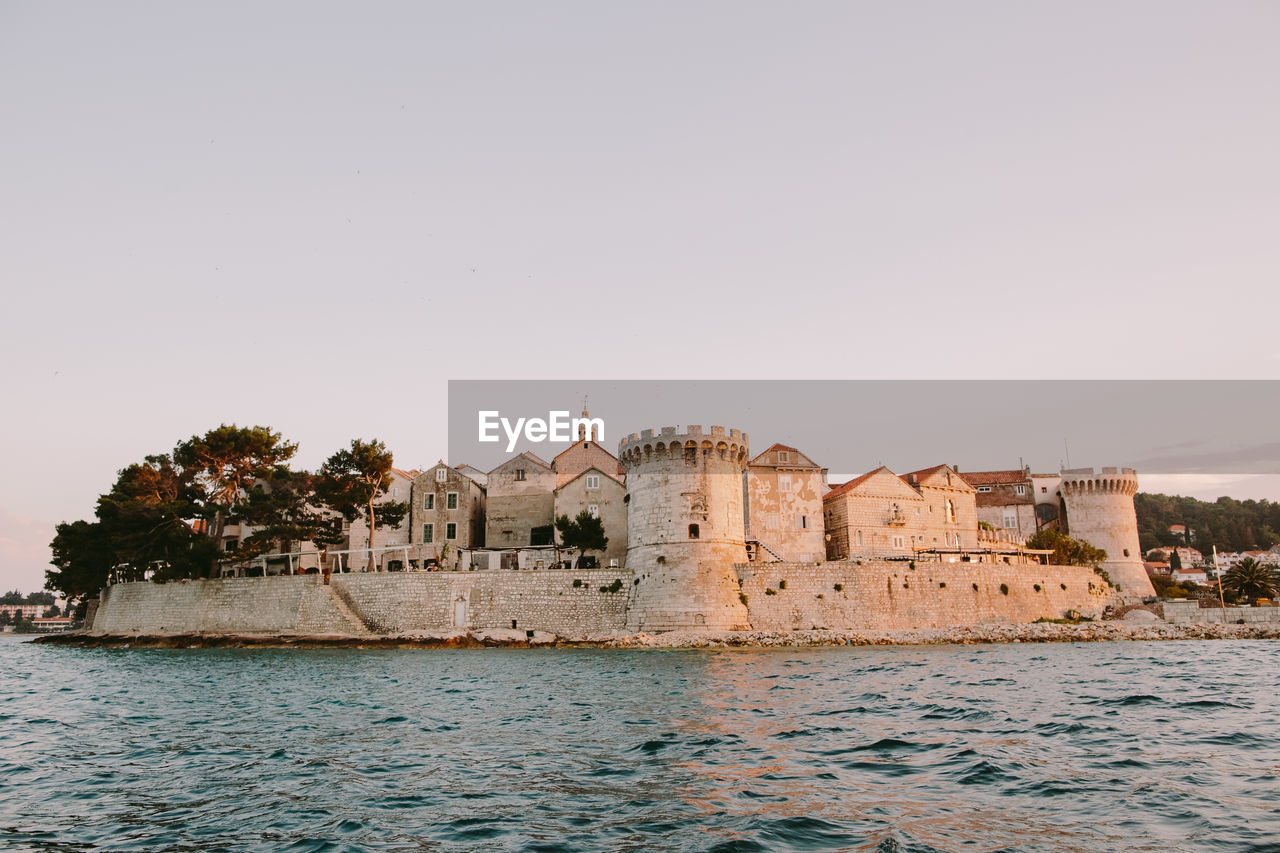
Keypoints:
pixel 1101 746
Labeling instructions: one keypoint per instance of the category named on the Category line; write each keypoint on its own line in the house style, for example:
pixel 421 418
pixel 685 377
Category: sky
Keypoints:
pixel 313 215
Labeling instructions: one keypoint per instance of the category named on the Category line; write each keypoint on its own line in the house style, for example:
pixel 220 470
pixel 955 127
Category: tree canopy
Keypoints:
pixel 354 482
pixel 583 533
pixel 1229 524
pixel 1066 551
pixel 167 514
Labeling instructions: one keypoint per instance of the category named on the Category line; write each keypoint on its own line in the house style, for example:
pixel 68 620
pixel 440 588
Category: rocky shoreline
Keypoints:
pixel 1039 632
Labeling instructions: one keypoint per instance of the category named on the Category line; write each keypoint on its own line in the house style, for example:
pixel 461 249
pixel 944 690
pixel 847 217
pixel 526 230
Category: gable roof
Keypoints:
pixel 775 447
pixel 525 455
pixel 408 475
pixel 924 474
pixel 994 478
pixel 575 446
pixel 852 485
pixel 587 471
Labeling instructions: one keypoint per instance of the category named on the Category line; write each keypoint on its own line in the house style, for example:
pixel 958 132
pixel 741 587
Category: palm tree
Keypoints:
pixel 1252 580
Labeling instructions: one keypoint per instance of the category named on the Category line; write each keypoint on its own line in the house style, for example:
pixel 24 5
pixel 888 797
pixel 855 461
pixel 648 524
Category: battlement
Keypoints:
pixel 672 442
pixel 1085 481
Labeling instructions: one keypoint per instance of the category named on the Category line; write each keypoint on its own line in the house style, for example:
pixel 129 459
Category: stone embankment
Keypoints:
pixel 690 639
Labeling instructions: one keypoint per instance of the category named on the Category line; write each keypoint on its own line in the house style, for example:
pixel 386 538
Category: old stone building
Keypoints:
pixel 447 508
pixel 1005 500
pixel 356 533
pixel 784 504
pixel 603 495
pixel 521 503
pixel 580 456
pixel 950 513
pixel 875 515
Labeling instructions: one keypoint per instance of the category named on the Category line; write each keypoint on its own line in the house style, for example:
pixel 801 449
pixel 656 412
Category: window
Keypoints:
pixel 802 522
pixel 1044 490
pixel 442 474
pixel 452 501
pixel 594 510
pixel 451 531
pixel 771 521
pixel 593 481
pixel 1010 519
pixel 859 537
pixel 1022 490
pixel 984 488
pixel 428 533
pixel 784 482
pixel 693 531
pixel 429 502
pixel 899 542
pixel 951 510
pixel 519 473
pixel 784 456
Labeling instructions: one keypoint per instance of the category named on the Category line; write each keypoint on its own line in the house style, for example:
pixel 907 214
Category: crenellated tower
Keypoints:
pixel 685 527
pixel 1098 508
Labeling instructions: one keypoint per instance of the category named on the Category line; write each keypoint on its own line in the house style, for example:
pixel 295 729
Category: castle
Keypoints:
pixel 702 536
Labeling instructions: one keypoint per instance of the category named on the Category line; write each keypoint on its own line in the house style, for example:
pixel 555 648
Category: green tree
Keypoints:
pixel 225 463
pixel 279 506
pixel 1066 551
pixel 12 597
pixel 82 559
pixel 583 533
pixel 354 482
pixel 1252 580
pixel 1175 560
pixel 145 521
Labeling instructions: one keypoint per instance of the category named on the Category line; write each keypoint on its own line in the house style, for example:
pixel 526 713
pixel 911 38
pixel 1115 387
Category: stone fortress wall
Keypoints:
pixel 891 596
pixel 371 604
pixel 875 595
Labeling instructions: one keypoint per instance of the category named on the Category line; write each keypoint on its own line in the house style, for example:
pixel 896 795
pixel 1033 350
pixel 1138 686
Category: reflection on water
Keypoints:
pixel 1100 746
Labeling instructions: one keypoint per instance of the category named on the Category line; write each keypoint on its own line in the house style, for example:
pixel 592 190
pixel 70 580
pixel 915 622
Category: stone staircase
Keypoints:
pixel 754 546
pixel 323 611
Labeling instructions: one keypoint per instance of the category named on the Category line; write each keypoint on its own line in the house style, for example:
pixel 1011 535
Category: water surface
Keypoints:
pixel 1097 746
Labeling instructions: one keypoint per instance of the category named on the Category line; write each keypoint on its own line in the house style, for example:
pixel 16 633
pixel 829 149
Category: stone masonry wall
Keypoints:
pixel 381 603
pixel 888 596
pixel 544 600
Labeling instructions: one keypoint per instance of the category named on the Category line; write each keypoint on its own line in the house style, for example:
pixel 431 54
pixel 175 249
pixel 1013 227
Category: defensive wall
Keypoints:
pixel 371 604
pixel 878 595
pixel 891 595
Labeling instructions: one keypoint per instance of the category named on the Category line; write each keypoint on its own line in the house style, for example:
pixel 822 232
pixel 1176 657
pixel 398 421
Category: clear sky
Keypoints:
pixel 312 215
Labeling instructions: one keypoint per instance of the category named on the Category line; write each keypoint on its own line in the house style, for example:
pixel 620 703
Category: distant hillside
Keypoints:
pixel 1230 524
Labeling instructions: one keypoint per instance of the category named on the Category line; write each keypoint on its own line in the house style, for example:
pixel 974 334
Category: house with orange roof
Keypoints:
pixel 784 504
pixel 1005 500
pixel 950 513
pixel 876 514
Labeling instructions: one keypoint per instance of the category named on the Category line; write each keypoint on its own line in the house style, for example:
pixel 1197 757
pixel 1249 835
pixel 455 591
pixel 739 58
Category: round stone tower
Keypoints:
pixel 685 527
pixel 1098 508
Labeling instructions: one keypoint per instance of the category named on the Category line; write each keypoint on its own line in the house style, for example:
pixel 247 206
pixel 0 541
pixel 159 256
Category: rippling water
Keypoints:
pixel 1099 746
